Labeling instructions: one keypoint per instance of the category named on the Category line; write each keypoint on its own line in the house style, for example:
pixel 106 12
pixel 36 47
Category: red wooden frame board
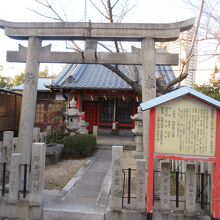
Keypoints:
pixel 215 160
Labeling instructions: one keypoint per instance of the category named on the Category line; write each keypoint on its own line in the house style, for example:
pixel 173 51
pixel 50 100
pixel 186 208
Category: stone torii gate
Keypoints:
pixel 34 54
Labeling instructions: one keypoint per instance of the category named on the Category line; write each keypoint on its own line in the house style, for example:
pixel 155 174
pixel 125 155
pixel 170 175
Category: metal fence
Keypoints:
pixel 5 175
pixel 177 194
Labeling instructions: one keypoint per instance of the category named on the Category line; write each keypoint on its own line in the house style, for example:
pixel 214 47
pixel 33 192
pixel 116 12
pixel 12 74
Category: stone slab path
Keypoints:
pixel 87 199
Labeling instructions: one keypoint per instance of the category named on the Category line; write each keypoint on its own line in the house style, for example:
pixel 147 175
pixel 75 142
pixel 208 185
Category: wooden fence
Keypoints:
pixel 10 108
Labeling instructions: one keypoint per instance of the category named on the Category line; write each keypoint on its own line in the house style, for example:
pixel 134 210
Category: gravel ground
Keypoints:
pixel 58 175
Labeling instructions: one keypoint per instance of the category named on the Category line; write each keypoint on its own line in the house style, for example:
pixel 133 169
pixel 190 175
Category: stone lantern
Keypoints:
pixel 72 115
pixel 138 132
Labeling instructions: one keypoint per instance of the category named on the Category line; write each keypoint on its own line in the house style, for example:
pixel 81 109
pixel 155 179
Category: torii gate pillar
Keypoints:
pixel 148 83
pixel 29 99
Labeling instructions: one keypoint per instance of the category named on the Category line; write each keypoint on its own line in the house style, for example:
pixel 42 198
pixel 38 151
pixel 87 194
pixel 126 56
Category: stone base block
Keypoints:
pixel 137 155
pixel 53 153
pixel 179 216
pixel 20 211
pixel 51 214
pixel 124 215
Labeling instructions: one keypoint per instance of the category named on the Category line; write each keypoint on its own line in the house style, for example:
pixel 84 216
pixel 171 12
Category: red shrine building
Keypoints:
pixel 105 97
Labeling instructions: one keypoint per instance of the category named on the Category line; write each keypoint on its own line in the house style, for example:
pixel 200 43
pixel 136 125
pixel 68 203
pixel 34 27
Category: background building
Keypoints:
pixel 105 98
pixel 182 47
pixel 215 77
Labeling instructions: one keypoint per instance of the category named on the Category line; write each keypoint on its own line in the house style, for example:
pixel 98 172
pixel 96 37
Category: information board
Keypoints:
pixel 185 126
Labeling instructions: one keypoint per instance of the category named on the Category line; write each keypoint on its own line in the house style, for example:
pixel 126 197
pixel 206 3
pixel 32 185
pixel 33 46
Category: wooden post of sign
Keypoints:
pixel 150 175
pixel 216 177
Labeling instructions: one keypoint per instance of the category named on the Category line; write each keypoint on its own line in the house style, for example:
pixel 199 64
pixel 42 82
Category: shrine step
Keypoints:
pixel 107 141
pixel 125 147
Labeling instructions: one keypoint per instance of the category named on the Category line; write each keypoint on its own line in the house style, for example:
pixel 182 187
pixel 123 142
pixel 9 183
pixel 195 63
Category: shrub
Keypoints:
pixel 80 145
pixel 54 138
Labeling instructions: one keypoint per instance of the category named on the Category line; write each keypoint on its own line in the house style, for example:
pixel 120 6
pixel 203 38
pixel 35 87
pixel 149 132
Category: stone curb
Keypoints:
pixel 102 199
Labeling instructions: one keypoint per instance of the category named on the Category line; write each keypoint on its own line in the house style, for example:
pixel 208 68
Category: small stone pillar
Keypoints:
pixel 165 185
pixel 49 129
pixel 7 148
pixel 37 173
pixel 36 134
pixel 95 130
pixel 141 185
pixel 44 136
pixel 15 143
pixel 138 132
pixel 190 187
pixel 41 137
pixel 14 177
pixel 1 144
pixel 117 178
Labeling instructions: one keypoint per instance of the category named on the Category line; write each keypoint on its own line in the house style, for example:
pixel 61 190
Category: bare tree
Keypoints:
pixel 190 53
pixel 209 28
pixel 112 11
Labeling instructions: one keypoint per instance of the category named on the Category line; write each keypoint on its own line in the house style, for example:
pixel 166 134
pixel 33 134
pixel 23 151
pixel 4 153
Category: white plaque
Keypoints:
pixel 185 126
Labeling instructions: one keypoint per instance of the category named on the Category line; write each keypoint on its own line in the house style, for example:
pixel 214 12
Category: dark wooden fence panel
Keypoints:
pixel 10 108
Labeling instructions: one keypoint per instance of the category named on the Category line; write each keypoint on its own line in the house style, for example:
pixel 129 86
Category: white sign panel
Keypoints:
pixel 185 126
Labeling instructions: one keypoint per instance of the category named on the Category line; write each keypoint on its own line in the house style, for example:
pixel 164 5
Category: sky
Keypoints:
pixel 145 11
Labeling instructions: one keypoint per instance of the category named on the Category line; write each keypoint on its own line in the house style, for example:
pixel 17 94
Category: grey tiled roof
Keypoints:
pixel 95 76
pixel 42 83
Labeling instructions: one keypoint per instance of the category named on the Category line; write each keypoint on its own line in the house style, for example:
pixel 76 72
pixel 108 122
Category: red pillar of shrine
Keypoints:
pixel 216 175
pixel 150 178
pixel 78 100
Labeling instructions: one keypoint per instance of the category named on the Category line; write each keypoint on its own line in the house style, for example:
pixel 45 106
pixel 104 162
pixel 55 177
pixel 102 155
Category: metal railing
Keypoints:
pixel 176 178
pixel 127 185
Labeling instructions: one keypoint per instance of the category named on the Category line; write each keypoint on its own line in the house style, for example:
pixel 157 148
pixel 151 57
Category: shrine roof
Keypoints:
pixel 42 85
pixel 6 91
pixel 177 94
pixel 96 76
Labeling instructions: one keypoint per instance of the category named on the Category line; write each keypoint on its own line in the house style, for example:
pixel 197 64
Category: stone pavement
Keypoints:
pixel 87 198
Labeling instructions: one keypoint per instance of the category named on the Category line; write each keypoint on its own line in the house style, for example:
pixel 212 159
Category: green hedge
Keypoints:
pixel 54 138
pixel 80 145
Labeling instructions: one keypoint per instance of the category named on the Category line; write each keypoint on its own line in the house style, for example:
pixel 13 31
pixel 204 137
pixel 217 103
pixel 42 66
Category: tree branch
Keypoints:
pixel 185 64
pixel 43 15
pixel 115 4
pixel 135 85
pixel 105 7
pixel 98 10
